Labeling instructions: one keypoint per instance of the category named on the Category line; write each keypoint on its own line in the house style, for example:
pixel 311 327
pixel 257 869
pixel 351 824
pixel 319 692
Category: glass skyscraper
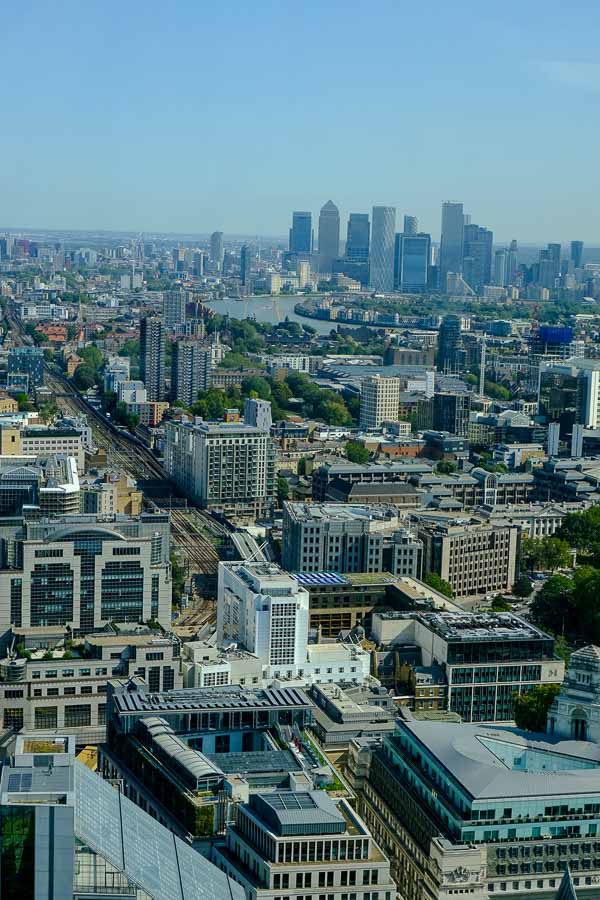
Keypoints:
pixel 382 248
pixel 329 235
pixel 451 245
pixel 412 261
pixel 301 233
pixel 358 237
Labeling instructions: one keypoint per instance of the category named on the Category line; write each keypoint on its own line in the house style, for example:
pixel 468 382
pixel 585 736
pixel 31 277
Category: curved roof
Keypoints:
pixel 192 761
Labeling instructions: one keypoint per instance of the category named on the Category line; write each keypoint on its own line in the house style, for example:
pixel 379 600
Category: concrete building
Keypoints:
pixel 228 467
pixel 485 811
pixel 69 835
pixel 191 365
pixel 85 571
pixel 344 713
pixel 379 401
pixel 473 556
pixel 36 441
pixel 49 483
pixel 258 413
pixel 265 610
pixel 53 687
pixel 369 473
pixel 331 537
pixel 152 356
pixel 174 303
pixel 131 392
pixel 217 251
pixel 302 840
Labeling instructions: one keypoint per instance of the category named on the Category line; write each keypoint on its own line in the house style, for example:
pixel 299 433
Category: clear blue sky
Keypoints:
pixel 192 116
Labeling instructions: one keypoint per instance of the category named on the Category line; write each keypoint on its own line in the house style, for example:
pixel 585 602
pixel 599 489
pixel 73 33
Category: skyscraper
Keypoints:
pixel 152 356
pixel 358 237
pixel 412 261
pixel 411 225
pixel 217 252
pixel 379 401
pixel 301 233
pixel 245 264
pixel 174 307
pixel 451 244
pixel 449 344
pixel 500 268
pixel 382 248
pixel 191 364
pixel 329 235
pixel 477 258
pixel 512 263
pixel 577 254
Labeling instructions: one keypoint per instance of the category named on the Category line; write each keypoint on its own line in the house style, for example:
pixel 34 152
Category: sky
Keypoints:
pixel 193 116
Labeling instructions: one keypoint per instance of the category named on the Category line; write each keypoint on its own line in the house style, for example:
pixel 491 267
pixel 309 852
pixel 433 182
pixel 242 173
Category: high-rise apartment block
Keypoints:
pixel 452 240
pixel 152 356
pixel 329 235
pixel 379 401
pixel 258 413
pixel 451 412
pixel 383 233
pixel 301 237
pixel 191 365
pixel 229 467
pixel 85 571
pixel 174 303
pixel 449 343
pixel 217 251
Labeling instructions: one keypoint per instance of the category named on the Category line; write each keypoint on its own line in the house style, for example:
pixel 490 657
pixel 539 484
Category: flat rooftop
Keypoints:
pixel 211 699
pixel 318 512
pixel 481 627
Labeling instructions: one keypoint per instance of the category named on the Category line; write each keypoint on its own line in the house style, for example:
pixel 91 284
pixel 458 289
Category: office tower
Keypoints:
pixel 69 834
pixel 549 266
pixel 265 610
pixel 329 236
pixel 451 244
pixel 258 413
pixel 577 441
pixel 451 412
pixel 358 237
pixel 191 365
pixel 122 574
pixel 178 254
pixel 287 841
pixel 477 256
pixel 379 401
pixel 500 268
pixel 152 356
pixel 411 225
pixel 474 557
pixel 449 344
pixel 301 233
pixel 174 307
pixel 217 251
pixel 381 275
pixel 553 440
pixel 228 467
pixel 27 361
pixel 588 395
pixel 334 537
pixel 412 261
pixel 245 264
pixel 577 254
pixel 512 263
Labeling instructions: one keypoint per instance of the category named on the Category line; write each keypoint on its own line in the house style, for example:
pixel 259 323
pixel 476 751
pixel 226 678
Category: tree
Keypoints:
pixel 499 604
pixel 531 708
pixel 84 377
pixel 582 530
pixel 283 489
pixel 356 453
pixel 556 553
pixel 445 467
pixel 553 606
pixel 23 401
pixel 439 584
pixel 522 587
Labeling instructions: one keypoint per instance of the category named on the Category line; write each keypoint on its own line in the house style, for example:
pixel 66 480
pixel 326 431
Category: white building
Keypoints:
pixel 131 392
pixel 266 610
pixel 379 401
pixel 575 713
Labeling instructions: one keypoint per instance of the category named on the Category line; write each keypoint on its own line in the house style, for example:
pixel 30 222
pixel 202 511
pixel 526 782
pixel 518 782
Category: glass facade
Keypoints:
pixel 123 591
pixel 17 852
pixel 51 594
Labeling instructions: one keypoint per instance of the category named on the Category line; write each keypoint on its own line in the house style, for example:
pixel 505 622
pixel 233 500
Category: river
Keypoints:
pixel 262 309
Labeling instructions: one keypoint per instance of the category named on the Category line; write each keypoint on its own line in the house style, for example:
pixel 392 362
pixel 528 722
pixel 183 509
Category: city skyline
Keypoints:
pixel 145 130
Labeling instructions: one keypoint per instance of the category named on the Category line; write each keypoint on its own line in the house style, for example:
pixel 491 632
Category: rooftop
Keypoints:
pixel 297 812
pixel 134 699
pixel 481 626
pixel 308 512
pixel 493 763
